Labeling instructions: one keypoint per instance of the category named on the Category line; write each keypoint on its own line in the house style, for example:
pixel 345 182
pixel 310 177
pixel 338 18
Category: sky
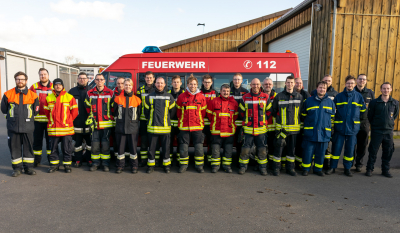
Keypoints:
pixel 101 31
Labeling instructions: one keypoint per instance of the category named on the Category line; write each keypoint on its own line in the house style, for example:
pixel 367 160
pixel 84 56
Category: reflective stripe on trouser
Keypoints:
pixel 67 150
pixel 101 146
pixel 39 132
pixel 299 150
pixel 18 159
pixel 124 141
pixel 216 143
pixel 164 140
pixel 349 142
pixel 309 150
pixel 279 146
pixel 260 142
pixel 184 139
pixel 144 140
pixel 79 148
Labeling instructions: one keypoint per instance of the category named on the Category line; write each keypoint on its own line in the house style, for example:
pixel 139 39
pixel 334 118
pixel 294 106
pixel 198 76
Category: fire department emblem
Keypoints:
pixel 247 64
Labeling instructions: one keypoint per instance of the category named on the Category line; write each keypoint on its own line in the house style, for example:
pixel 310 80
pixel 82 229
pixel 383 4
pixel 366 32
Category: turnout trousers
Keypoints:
pixel 309 150
pixel 362 143
pixel 144 140
pixel 165 143
pixel 218 142
pixel 21 157
pixel 38 133
pixel 386 140
pixel 207 137
pixel 79 156
pixel 349 142
pixel 66 147
pixel 124 141
pixel 260 142
pixel 197 138
pixel 271 146
pixel 288 144
pixel 299 150
pixel 101 147
pixel 174 138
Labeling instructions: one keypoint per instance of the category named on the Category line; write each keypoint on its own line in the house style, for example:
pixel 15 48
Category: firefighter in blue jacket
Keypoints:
pixel 349 106
pixel 317 113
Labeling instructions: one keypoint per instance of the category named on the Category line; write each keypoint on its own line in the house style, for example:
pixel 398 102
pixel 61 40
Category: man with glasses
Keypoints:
pixel 362 136
pixel 20 106
pixel 82 131
pixel 98 105
pixel 43 88
pixel 268 86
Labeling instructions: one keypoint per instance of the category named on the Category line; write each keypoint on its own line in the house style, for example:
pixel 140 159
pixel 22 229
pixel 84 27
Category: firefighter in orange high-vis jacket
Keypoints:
pixel 222 113
pixel 61 110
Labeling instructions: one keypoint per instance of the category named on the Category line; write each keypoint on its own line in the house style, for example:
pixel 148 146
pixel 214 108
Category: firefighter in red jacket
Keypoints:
pixel 99 105
pixel 191 107
pixel 222 112
pixel 253 108
pixel 61 109
pixel 20 106
pixel 43 88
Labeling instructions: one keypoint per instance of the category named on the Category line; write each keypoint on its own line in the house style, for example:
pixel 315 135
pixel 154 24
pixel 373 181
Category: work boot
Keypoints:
pixel 276 168
pixel 16 173
pixel 106 168
pixel 387 174
pixel 242 170
pixel 78 164
pixel 327 164
pixel 143 163
pixel 68 169
pixel 368 173
pixel 291 172
pixel 150 169
pixel 134 170
pixel 215 168
pixel 199 169
pixel 36 164
pixel 305 173
pixel 93 167
pixel 348 173
pixel 330 171
pixel 227 168
pixel 119 170
pixel 53 169
pixel 167 169
pixel 290 169
pixel 263 171
pixel 30 171
pixel 358 169
pixel 319 173
pixel 182 168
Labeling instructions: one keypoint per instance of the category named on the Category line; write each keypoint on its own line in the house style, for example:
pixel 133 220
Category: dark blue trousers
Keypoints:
pixel 349 142
pixel 313 148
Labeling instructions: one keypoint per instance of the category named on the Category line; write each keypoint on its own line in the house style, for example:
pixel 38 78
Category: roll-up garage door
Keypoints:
pixel 298 42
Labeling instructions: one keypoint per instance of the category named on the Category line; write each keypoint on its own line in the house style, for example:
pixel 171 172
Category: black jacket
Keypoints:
pixel 79 93
pixel 238 93
pixel 330 91
pixel 287 110
pixel 126 121
pixel 142 93
pixel 382 115
pixel 304 94
pixel 175 95
pixel 368 95
pixel 159 109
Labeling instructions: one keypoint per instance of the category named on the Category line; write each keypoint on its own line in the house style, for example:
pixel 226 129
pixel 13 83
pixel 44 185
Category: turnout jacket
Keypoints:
pixel 349 107
pixel 61 110
pixel 126 112
pixel 271 119
pixel 79 93
pixel 142 93
pixel 330 91
pixel 174 119
pixel 382 115
pixel 159 108
pixel 238 94
pixel 287 110
pixel 368 95
pixel 317 114
pixel 253 108
pixel 222 113
pixel 42 92
pixel 20 107
pixel 191 111
pixel 98 104
pixel 209 95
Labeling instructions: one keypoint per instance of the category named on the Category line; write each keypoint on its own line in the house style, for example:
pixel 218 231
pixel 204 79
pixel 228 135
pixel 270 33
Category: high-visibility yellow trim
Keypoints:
pixel 327 129
pixel 312 108
pixel 335 157
pixel 55 162
pixel 357 104
pixel 308 127
pixel 356 122
pixel 348 158
pixel 338 122
pixel 318 165
pixel 306 165
pixel 342 103
pixel 326 107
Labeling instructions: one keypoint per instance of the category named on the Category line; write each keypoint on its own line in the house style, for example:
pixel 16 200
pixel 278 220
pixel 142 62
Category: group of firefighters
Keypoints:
pixel 287 130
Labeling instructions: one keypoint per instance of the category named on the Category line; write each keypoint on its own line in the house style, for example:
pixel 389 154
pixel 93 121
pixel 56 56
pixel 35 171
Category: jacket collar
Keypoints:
pixel 323 98
pixel 23 91
pixel 149 88
pixel 361 91
pixel 254 94
pixel 180 91
pixel 196 92
pixel 48 84
pixel 379 99
pixel 348 93
pixel 330 89
pixel 158 91
pixel 206 91
pixel 127 94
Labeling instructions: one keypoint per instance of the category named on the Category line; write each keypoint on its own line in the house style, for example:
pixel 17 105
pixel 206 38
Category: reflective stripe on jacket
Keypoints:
pixel 222 114
pixel 287 110
pixel 271 120
pixel 42 92
pixel 159 107
pixel 142 93
pixel 174 119
pixel 238 94
pixel 191 109
pixel 209 95
pixel 99 105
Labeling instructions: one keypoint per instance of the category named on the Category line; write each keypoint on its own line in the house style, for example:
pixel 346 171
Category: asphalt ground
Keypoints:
pixel 85 201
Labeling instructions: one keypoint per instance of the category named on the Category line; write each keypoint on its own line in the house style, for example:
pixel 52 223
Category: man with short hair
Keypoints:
pixel 349 107
pixel 382 113
pixel 82 131
pixel 299 88
pixel 43 88
pixel 287 109
pixel 20 106
pixel 222 111
pixel 362 136
pixel 268 86
pixel 99 106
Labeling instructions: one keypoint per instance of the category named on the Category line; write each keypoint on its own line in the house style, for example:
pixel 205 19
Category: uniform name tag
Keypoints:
pixel 28 119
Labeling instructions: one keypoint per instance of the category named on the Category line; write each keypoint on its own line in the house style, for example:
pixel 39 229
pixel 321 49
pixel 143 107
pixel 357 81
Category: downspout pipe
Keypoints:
pixel 333 36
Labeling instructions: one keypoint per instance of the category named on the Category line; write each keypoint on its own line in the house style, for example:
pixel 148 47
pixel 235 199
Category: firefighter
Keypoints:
pixel 299 88
pixel 331 94
pixel 43 88
pixel 191 107
pixel 98 105
pixel 362 136
pixel 287 110
pixel 253 107
pixel 119 88
pixel 210 94
pixel 144 91
pixel 237 92
pixel 317 113
pixel 20 124
pixel 382 113
pixel 159 109
pixel 222 112
pixel 61 110
pixel 349 107
pixel 127 109
pixel 82 131
pixel 175 91
pixel 268 86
